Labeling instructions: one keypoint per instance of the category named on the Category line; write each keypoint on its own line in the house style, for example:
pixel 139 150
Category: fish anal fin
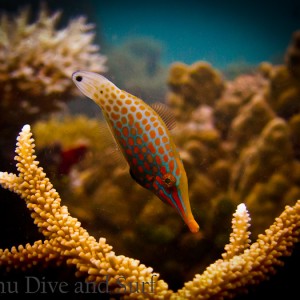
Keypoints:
pixel 165 113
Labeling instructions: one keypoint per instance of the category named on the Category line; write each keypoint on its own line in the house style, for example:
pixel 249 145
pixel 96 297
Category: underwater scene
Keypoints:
pixel 150 149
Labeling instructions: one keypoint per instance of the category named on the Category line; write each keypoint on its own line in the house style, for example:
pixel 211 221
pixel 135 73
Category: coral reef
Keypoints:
pixel 68 243
pixel 70 130
pixel 283 92
pixel 239 140
pixel 292 56
pixel 66 133
pixel 234 142
pixel 65 238
pixel 36 63
pixel 284 88
pixel 184 82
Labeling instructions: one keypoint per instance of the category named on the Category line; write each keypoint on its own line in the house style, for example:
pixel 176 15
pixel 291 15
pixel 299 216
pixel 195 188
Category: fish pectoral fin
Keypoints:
pixel 113 150
pixel 165 113
pixel 116 154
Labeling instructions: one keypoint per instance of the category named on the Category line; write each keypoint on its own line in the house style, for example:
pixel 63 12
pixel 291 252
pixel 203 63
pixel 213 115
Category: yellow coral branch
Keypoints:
pixel 68 242
pixel 25 257
pixel 225 278
pixel 239 238
pixel 95 260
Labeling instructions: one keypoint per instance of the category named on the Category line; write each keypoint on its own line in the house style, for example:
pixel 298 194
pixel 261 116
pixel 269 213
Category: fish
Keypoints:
pixel 142 133
pixel 61 160
pixel 70 157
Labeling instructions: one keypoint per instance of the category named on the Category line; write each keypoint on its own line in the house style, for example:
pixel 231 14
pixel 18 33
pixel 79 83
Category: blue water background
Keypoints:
pixel 221 32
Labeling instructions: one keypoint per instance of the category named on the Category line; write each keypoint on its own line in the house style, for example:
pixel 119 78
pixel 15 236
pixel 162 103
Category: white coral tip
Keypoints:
pixel 241 209
pixel 26 128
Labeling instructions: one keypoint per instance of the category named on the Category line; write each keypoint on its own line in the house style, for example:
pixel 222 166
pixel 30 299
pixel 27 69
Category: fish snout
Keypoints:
pixel 192 224
pixel 180 201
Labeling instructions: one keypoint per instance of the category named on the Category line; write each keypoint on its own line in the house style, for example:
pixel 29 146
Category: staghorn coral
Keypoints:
pixel 253 264
pixel 240 236
pixel 36 62
pixel 67 242
pixel 64 235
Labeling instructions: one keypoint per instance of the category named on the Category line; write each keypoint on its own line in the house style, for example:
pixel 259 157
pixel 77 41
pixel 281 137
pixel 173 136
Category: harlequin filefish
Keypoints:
pixel 143 136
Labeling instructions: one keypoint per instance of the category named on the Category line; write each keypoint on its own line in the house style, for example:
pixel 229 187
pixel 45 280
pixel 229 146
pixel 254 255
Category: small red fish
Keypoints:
pixel 58 160
pixel 70 157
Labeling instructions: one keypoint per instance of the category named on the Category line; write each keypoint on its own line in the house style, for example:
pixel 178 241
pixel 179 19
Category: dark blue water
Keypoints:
pixel 221 32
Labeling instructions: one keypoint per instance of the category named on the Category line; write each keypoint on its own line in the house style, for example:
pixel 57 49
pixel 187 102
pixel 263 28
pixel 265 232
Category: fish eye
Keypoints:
pixel 169 180
pixel 78 78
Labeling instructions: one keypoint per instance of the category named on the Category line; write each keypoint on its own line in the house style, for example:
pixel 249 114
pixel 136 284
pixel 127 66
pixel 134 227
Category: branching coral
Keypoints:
pixel 240 236
pixel 66 241
pixel 223 278
pixel 65 238
pixel 36 63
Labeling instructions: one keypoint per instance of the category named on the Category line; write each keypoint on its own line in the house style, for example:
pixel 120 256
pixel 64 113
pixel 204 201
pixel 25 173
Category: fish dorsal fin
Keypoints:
pixel 165 113
pixel 114 152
